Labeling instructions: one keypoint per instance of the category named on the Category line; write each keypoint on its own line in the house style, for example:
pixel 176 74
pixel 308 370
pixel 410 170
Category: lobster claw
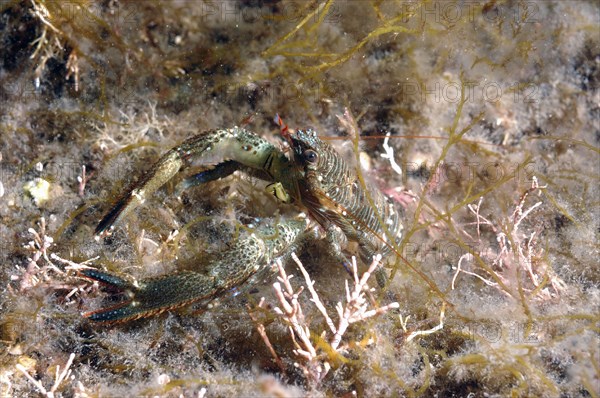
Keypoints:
pixel 123 310
pixel 150 296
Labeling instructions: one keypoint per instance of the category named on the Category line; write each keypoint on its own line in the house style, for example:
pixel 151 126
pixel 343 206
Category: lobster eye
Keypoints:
pixel 310 156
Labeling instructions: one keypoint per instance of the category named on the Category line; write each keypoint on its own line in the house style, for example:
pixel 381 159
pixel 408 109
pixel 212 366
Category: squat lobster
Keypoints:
pixel 314 176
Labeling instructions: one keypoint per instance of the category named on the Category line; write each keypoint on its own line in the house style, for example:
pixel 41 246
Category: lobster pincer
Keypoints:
pixel 226 150
pixel 247 257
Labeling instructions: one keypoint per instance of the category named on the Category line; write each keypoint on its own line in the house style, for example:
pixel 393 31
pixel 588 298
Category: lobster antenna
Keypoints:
pixel 279 122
